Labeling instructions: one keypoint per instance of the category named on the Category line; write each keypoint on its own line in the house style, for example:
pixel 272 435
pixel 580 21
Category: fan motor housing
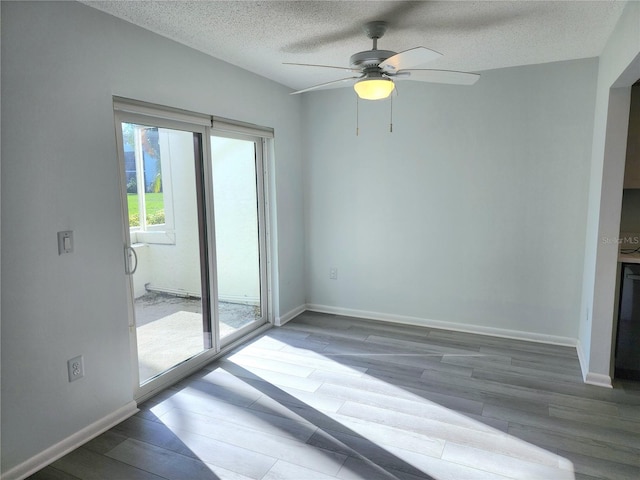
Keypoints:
pixel 369 58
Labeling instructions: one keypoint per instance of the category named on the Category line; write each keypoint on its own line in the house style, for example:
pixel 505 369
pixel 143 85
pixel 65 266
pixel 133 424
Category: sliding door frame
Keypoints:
pixel 126 110
pixel 207 281
pixel 260 160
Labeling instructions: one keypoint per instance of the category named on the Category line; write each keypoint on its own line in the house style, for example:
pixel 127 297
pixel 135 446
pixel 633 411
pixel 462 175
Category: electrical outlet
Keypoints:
pixel 75 368
pixel 333 273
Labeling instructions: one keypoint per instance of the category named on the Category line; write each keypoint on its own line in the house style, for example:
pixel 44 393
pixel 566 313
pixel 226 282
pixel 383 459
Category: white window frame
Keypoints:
pixel 144 233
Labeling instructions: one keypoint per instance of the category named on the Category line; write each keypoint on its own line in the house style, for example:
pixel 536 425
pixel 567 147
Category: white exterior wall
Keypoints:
pixel 176 267
pixel 235 205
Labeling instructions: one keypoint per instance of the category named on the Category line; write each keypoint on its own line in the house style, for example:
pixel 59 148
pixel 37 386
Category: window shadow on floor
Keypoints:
pixel 365 458
pixel 532 394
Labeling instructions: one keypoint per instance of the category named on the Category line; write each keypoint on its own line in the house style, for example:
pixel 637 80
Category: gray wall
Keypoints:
pixel 472 211
pixel 61 64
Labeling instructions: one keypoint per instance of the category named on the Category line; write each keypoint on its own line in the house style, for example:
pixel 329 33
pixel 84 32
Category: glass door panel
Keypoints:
pixel 238 219
pixel 164 225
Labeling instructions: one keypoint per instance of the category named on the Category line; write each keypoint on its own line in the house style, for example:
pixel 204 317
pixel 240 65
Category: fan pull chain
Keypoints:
pixel 391 120
pixel 357 116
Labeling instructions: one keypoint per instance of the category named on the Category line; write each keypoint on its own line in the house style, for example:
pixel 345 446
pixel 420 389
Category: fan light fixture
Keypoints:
pixel 374 88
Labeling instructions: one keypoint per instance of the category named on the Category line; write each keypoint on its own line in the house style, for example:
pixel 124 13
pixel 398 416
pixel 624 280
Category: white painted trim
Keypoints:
pixel 456 327
pixel 291 314
pixel 60 449
pixel 590 378
pixel 598 379
pixel 171 291
pixel 584 364
pixel 239 299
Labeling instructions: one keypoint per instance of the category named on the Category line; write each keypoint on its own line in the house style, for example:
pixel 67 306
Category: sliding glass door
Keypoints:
pixel 195 245
pixel 165 245
pixel 239 221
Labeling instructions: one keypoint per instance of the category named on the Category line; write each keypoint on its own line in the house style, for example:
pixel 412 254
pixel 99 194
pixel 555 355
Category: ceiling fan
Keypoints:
pixel 378 69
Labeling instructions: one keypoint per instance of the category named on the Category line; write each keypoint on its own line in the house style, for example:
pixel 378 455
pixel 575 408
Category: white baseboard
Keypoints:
pixel 597 379
pixel 282 319
pixel 239 299
pixel 457 327
pixel 171 291
pixel 584 365
pixel 69 444
pixel 591 378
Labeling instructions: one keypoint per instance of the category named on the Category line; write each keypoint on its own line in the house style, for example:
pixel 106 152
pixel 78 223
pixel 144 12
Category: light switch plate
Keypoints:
pixel 65 242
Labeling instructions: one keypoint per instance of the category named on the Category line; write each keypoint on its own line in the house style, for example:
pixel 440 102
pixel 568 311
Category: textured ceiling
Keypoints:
pixel 473 36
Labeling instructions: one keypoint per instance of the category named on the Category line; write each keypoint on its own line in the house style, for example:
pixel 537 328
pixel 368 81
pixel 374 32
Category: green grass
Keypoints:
pixel 155 208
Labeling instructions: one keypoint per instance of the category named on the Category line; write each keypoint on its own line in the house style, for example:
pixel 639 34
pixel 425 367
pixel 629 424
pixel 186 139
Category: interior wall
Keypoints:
pixel 618 69
pixel 471 212
pixel 61 64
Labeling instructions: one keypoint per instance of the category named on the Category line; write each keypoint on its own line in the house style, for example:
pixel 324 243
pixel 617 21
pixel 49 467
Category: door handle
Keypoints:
pixel 127 260
pixel 632 277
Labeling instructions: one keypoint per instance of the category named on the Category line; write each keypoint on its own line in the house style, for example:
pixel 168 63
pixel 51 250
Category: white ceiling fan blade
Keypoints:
pixel 347 69
pixel 409 59
pixel 333 83
pixel 438 76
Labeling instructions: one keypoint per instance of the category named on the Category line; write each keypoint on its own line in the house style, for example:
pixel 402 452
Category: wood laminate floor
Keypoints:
pixel 328 397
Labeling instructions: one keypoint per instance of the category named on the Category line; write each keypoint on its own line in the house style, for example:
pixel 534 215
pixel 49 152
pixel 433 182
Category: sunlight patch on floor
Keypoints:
pixel 420 432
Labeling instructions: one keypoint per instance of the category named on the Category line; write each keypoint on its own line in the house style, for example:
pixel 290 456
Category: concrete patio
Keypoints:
pixel 169 329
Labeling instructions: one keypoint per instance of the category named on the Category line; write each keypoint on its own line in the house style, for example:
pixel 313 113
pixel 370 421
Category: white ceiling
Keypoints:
pixel 473 36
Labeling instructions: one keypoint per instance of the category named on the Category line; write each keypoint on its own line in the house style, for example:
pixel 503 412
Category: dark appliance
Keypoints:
pixel 627 359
